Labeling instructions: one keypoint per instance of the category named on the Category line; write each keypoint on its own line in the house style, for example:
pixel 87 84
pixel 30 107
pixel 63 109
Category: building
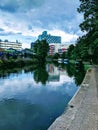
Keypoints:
pixel 15 45
pixel 32 45
pixel 57 48
pixel 49 38
pixel 55 45
pixel 27 51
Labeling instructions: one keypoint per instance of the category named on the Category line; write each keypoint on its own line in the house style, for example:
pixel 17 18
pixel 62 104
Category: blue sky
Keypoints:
pixel 24 20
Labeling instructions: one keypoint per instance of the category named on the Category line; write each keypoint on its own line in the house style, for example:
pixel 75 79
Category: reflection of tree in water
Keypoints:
pixel 16 70
pixel 70 70
pixel 77 71
pixel 40 74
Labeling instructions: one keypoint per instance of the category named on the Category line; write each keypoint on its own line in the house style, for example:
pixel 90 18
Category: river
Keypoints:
pixel 31 99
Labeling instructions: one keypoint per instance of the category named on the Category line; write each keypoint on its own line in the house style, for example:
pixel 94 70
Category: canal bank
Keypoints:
pixel 82 110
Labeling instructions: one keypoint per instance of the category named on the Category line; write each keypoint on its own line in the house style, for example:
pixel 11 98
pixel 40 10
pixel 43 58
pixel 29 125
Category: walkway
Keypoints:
pixel 82 111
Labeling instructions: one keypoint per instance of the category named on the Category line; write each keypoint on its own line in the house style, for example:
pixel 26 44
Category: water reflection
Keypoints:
pixel 40 74
pixel 54 74
pixel 33 97
pixel 43 73
pixel 77 71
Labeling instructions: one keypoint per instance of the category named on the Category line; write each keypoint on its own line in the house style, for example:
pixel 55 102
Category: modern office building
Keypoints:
pixel 14 45
pixel 55 44
pixel 49 38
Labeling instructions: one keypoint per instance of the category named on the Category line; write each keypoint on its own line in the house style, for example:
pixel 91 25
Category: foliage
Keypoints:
pixel 77 71
pixel 87 45
pixel 41 49
pixel 56 56
pixel 64 55
pixel 40 74
pixel 70 51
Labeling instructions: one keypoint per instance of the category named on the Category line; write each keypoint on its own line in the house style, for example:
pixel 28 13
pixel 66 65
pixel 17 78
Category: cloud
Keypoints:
pixel 1 29
pixel 13 6
pixel 66 37
pixel 12 87
pixel 6 33
pixel 9 5
pixel 31 17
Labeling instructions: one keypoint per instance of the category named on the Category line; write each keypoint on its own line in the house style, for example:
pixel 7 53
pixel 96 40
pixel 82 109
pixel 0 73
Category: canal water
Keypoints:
pixel 31 99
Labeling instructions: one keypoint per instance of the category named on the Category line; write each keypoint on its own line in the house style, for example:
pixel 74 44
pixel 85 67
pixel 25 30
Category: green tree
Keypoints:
pixel 41 49
pixel 56 56
pixel 88 44
pixel 70 51
pixel 88 8
pixel 64 55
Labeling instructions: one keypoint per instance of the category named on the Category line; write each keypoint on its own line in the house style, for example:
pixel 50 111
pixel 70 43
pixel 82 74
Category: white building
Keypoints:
pixel 14 45
pixel 57 48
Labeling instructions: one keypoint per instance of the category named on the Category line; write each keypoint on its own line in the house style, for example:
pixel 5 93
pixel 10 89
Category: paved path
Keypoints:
pixel 82 111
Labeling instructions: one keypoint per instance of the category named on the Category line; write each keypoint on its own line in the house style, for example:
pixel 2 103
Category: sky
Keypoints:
pixel 24 20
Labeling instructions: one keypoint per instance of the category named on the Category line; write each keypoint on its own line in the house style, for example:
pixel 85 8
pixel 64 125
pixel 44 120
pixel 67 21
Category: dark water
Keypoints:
pixel 32 100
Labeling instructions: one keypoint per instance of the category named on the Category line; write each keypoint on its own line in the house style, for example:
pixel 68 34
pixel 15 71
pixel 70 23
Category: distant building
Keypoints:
pixel 57 48
pixel 32 45
pixel 55 45
pixel 49 38
pixel 27 51
pixel 15 45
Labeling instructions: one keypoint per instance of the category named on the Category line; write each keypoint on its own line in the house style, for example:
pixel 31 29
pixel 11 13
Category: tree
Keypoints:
pixel 70 51
pixel 88 8
pixel 89 42
pixel 41 49
pixel 56 56
pixel 64 55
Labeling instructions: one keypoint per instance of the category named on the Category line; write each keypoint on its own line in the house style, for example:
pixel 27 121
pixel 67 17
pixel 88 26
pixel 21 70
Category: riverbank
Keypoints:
pixel 82 110
pixel 19 62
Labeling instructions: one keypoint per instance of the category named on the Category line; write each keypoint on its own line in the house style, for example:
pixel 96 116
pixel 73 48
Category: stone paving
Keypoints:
pixel 82 110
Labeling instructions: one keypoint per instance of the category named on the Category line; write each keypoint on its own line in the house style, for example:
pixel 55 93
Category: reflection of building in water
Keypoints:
pixel 54 74
pixel 62 71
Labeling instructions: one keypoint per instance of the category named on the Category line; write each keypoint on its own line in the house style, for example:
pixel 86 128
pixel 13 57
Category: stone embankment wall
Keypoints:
pixel 82 110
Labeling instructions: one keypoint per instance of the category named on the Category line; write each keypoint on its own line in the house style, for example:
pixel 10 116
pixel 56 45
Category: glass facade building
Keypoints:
pixel 49 38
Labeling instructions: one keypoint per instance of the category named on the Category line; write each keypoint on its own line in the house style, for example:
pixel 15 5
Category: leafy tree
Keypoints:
pixel 70 51
pixel 41 49
pixel 88 8
pixel 64 55
pixel 87 45
pixel 56 56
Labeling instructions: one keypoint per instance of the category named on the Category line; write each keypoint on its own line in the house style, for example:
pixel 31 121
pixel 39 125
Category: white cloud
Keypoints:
pixel 58 19
pixel 66 37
